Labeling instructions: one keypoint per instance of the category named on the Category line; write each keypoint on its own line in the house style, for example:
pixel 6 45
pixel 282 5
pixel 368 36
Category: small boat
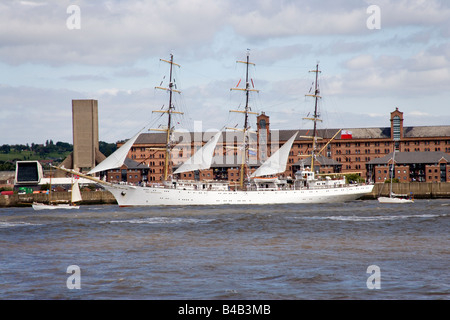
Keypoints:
pixel 52 206
pixel 395 198
pixel 75 197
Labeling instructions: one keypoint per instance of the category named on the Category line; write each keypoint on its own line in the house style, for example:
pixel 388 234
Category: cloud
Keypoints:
pixel 414 12
pixel 293 18
pixel 132 73
pixel 32 3
pixel 35 115
pixel 117 32
pixel 393 74
pixel 85 77
pixel 405 63
pixel 112 32
pixel 362 61
pixel 418 114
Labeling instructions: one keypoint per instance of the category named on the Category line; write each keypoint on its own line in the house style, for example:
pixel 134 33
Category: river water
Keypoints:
pixel 282 252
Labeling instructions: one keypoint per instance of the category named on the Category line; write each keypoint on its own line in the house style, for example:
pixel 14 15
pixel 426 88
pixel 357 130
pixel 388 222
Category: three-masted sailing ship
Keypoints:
pixel 262 186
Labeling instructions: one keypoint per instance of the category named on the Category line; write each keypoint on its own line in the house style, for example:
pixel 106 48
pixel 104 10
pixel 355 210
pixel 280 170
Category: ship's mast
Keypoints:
pixel 315 117
pixel 170 110
pixel 247 112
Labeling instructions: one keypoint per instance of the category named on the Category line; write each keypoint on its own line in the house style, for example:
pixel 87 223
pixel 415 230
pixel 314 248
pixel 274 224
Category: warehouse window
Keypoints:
pixel 396 128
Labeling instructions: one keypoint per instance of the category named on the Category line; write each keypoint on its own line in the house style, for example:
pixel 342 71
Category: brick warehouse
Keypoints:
pixel 353 150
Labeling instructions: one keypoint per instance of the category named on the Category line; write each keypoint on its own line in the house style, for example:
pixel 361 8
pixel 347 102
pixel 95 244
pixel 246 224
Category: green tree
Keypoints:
pixel 354 178
pixel 107 148
pixel 5 149
pixel 395 180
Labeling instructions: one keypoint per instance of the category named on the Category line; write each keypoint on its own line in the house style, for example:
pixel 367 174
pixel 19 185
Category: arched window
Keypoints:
pixel 262 123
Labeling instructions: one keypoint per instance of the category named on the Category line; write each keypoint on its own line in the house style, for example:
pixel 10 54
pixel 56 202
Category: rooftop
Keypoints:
pixel 284 135
pixel 131 164
pixel 413 157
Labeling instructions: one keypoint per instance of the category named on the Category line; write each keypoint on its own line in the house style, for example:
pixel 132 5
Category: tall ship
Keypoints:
pixel 264 185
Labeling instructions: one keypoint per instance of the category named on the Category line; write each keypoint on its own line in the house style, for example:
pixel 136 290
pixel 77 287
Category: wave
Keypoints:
pixel 373 218
pixel 161 220
pixel 5 224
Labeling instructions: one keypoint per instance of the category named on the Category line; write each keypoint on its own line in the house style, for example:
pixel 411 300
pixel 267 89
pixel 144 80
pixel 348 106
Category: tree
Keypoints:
pixel 107 148
pixel 5 149
pixel 7 166
pixel 395 180
pixel 354 178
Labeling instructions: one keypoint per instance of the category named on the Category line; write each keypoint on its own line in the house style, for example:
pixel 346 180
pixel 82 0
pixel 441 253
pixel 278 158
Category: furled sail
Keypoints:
pixel 202 158
pixel 116 159
pixel 277 161
pixel 76 194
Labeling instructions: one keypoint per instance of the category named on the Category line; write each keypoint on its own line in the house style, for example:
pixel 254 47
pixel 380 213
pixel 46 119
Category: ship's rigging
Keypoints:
pixel 245 148
pixel 170 110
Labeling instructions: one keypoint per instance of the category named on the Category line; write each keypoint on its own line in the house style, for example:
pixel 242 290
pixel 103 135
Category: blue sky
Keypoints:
pixel 114 57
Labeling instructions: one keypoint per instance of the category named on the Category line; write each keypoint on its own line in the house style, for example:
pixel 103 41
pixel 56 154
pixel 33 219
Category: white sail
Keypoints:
pixel 76 194
pixel 277 161
pixel 202 158
pixel 116 159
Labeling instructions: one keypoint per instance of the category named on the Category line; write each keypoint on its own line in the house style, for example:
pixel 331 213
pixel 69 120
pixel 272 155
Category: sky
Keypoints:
pixel 374 56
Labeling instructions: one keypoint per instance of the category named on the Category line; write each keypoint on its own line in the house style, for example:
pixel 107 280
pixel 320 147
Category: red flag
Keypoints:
pixel 346 134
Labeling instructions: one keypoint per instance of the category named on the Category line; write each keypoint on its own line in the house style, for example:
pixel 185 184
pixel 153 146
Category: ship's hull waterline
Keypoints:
pixel 151 196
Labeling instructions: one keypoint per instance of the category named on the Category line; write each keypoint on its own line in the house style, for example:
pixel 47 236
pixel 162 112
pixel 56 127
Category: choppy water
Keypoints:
pixel 228 252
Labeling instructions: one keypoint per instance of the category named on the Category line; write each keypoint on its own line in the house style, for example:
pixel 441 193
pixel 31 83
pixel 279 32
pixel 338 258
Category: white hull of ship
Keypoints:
pixel 151 196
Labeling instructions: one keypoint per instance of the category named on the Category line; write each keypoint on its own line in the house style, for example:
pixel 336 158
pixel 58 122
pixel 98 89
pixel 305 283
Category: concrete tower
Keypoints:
pixel 86 154
pixel 85 132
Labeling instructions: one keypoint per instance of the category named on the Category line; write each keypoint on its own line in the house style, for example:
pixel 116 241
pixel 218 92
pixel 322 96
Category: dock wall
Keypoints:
pixel 420 190
pixel 89 197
